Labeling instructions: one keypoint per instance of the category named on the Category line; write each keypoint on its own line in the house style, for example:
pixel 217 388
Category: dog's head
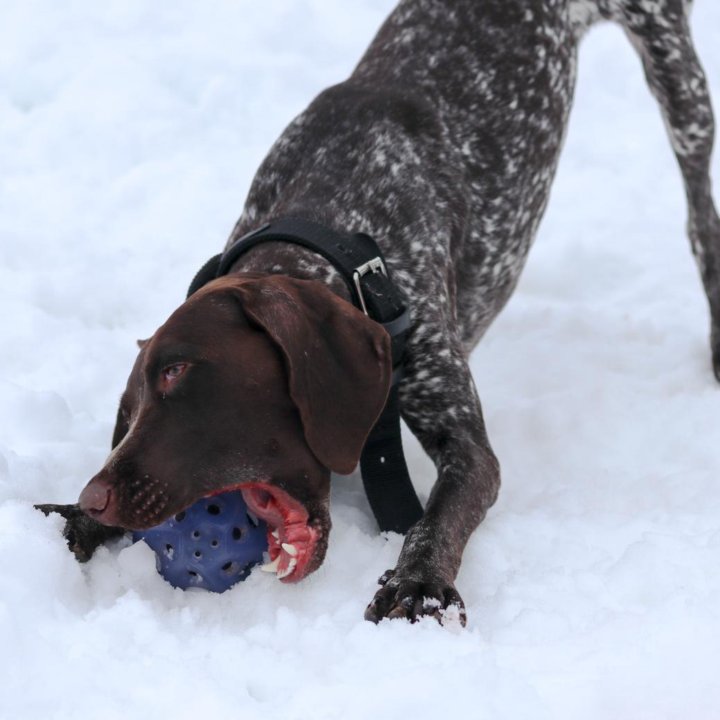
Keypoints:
pixel 258 383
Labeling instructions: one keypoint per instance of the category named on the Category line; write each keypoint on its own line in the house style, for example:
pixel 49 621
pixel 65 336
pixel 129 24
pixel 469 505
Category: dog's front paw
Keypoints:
pixel 83 534
pixel 411 599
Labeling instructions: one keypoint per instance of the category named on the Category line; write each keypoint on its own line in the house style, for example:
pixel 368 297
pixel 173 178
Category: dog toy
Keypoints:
pixel 213 544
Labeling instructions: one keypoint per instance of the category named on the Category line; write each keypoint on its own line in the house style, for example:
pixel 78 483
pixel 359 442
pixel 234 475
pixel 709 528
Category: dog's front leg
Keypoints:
pixel 83 534
pixel 441 406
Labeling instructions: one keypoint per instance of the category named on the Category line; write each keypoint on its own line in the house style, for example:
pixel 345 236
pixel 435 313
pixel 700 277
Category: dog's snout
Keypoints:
pixel 95 499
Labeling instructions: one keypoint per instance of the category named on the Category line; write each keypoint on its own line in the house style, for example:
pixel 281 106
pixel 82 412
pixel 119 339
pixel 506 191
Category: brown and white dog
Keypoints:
pixel 441 145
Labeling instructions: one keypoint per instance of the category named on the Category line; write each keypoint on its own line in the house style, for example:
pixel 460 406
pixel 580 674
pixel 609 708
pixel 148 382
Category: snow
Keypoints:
pixel 129 132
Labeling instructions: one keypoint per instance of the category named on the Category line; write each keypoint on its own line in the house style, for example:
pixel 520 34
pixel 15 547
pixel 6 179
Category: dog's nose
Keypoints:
pixel 95 498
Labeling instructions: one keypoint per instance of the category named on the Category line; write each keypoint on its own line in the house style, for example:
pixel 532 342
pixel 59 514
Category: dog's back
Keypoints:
pixel 450 129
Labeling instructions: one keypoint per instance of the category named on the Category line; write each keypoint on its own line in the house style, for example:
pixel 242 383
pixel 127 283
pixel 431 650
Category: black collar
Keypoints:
pixel 356 257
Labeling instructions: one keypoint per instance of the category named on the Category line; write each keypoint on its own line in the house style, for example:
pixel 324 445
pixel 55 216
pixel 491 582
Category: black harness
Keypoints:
pixel 360 262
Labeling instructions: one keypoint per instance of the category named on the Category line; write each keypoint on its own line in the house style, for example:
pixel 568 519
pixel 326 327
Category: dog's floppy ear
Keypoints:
pixel 338 362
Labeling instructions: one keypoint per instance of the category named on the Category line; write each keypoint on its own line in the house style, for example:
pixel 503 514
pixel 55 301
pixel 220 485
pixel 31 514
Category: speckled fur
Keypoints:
pixel 442 145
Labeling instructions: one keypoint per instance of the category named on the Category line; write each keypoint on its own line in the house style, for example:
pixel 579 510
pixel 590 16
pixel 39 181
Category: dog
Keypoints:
pixel 442 146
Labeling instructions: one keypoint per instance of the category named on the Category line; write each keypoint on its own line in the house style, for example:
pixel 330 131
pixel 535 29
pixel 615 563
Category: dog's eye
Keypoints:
pixel 172 372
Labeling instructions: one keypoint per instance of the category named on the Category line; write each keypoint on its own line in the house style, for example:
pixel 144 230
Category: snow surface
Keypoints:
pixel 129 132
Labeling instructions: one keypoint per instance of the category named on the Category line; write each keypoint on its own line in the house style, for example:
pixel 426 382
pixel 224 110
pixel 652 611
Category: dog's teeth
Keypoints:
pixel 288 569
pixel 271 566
pixel 289 549
pixel 276 534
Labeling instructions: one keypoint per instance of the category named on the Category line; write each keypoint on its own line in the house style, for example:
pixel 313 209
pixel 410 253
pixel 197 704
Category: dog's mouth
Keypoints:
pixel 296 541
pixel 292 538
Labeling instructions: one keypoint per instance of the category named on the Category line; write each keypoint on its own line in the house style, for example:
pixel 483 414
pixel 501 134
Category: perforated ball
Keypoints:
pixel 212 545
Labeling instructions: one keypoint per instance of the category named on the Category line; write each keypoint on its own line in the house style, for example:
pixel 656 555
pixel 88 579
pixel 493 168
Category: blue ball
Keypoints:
pixel 213 544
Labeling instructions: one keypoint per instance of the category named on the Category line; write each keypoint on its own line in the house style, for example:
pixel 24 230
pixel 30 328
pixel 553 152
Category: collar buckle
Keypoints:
pixel 374 265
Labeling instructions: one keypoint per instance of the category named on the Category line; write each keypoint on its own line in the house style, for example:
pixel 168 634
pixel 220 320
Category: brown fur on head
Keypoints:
pixel 265 383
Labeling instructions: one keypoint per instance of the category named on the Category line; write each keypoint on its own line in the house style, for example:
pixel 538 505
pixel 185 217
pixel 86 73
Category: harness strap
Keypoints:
pixel 360 262
pixel 385 474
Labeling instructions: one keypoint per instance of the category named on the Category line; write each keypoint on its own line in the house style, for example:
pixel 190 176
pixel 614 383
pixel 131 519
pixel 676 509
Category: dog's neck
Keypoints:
pixel 286 258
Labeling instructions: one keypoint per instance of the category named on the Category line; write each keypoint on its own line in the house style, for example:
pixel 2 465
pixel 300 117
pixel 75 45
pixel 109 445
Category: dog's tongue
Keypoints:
pixel 291 541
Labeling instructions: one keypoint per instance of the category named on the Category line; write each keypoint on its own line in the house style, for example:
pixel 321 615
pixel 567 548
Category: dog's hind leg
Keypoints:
pixel 660 32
